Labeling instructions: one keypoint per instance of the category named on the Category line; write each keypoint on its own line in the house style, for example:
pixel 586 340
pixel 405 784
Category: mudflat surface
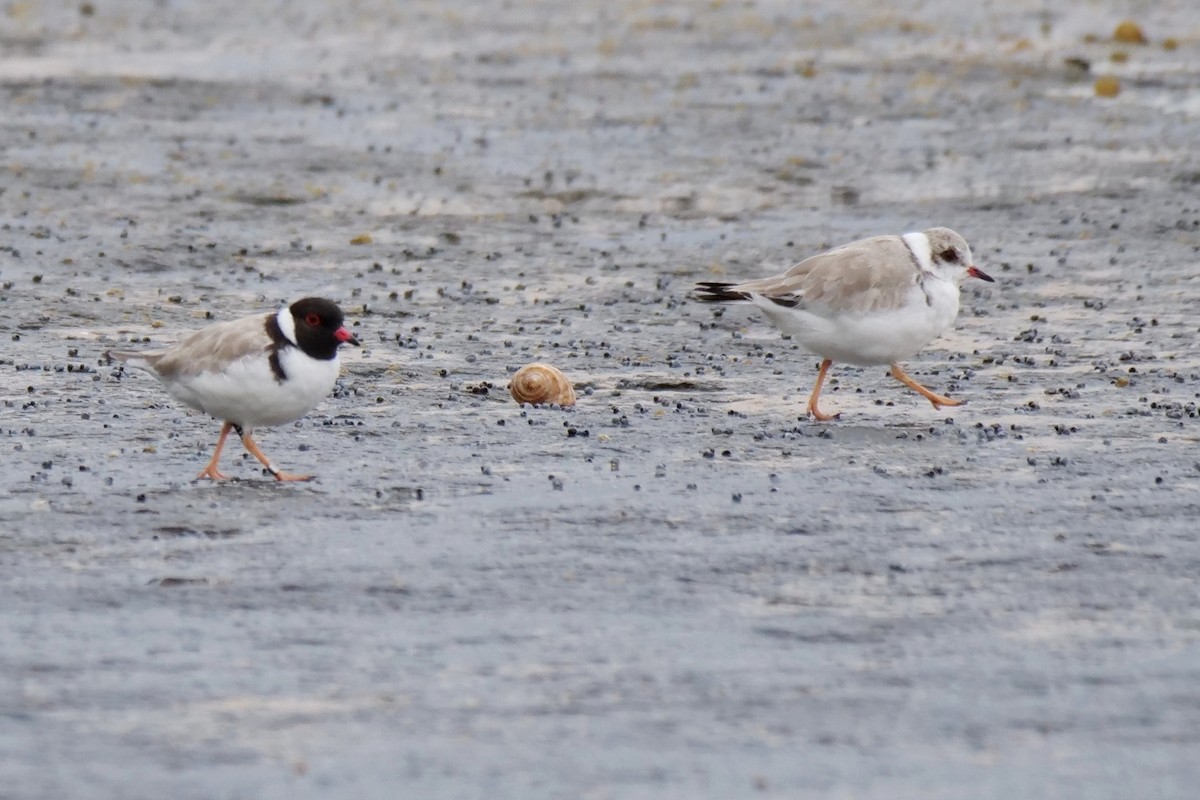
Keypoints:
pixel 680 588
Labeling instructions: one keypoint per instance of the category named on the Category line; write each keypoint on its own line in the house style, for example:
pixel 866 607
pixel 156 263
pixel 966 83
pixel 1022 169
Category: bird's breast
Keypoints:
pixel 249 392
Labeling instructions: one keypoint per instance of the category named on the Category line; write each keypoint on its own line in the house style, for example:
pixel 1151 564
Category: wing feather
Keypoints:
pixel 211 349
pixel 869 275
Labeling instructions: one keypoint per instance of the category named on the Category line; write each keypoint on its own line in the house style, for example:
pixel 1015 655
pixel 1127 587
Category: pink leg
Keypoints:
pixel 816 393
pixel 211 470
pixel 937 399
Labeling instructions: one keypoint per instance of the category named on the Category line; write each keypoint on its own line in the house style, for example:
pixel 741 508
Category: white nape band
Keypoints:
pixel 287 323
pixel 918 245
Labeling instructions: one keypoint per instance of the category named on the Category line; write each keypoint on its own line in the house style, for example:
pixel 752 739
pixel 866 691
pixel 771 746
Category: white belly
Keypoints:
pixel 868 338
pixel 247 393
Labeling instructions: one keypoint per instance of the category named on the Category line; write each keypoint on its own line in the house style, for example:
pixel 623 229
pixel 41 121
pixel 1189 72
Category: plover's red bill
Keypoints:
pixel 874 301
pixel 267 369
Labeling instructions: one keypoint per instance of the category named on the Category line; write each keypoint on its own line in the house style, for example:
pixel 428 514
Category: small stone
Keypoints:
pixel 1107 86
pixel 1129 32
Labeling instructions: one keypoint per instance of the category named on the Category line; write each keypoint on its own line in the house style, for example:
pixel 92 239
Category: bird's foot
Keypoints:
pixel 938 400
pixel 821 416
pixel 287 476
pixel 941 400
pixel 212 473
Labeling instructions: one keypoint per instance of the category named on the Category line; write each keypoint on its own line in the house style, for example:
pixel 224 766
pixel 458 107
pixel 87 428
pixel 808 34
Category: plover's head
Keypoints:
pixel 951 256
pixel 314 324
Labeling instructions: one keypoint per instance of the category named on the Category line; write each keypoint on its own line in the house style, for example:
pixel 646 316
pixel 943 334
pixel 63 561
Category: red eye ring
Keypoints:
pixel 312 320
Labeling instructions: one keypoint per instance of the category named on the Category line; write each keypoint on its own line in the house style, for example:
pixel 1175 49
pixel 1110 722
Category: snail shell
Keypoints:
pixel 541 384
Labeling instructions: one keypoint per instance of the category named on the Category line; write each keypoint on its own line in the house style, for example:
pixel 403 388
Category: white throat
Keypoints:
pixel 918 245
pixel 287 324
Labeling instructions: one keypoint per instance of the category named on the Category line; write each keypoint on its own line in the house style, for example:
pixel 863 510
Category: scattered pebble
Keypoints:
pixel 1129 32
pixel 1107 86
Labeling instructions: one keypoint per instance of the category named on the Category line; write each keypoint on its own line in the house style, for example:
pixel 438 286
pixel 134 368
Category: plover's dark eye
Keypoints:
pixel 949 254
pixel 312 320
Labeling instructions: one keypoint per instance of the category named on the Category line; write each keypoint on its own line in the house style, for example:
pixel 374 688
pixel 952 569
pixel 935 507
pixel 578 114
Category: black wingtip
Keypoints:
pixel 717 292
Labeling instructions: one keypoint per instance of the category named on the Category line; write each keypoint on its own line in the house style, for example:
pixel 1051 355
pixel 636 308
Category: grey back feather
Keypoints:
pixel 868 275
pixel 207 350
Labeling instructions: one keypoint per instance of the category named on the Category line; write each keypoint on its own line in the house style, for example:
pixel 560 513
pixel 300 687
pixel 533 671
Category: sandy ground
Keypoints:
pixel 681 588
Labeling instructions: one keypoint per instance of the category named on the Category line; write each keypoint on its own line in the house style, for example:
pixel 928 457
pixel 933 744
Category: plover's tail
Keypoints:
pixel 717 292
pixel 143 361
pixel 714 292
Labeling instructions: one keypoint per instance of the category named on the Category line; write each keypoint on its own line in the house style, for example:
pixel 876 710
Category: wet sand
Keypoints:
pixel 681 587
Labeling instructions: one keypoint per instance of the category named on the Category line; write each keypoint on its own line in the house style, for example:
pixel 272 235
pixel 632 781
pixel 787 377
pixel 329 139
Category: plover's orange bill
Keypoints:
pixel 874 301
pixel 256 371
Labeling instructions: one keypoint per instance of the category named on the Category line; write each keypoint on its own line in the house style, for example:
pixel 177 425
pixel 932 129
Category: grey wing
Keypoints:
pixel 213 348
pixel 869 275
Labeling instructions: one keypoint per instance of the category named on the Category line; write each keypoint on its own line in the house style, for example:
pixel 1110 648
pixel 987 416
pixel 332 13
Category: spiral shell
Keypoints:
pixel 541 384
